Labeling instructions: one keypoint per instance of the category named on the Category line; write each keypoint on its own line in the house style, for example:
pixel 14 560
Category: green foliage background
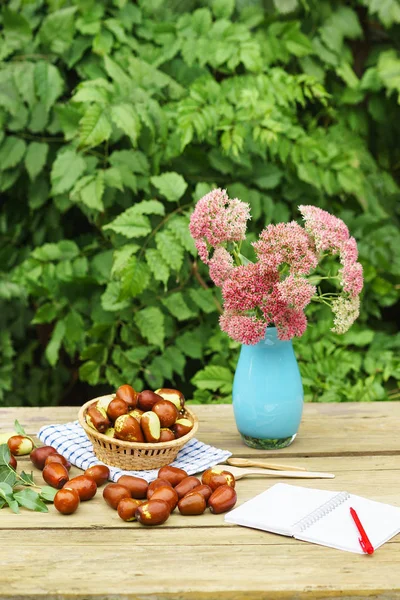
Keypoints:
pixel 116 116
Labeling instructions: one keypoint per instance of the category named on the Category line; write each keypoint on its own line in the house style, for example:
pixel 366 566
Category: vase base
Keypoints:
pixel 267 444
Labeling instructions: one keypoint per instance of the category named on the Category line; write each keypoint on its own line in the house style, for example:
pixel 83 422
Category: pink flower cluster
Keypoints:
pixel 274 290
pixel 286 243
pixel 217 220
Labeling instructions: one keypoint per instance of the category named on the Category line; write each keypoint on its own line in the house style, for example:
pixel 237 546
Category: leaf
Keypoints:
pixel 190 344
pixel 18 428
pixel 177 306
pixel 66 170
pixel 47 493
pixel 111 298
pixel 285 6
pixel 126 118
pixel 11 152
pixel 90 372
pixel 121 257
pixel 7 475
pixel 270 178
pixel 16 27
pixel 30 499
pixel 48 83
pixel 388 68
pixel 138 353
pixel 45 313
pixel 171 185
pixel 24 78
pixel 57 30
pixel 157 265
pixel 91 194
pixel 5 454
pixel 53 347
pixel 134 278
pixel 223 9
pixel 35 158
pixel 170 249
pixel 204 299
pixel 150 322
pixel 94 127
pixel 7 495
pixel 180 228
pixel 136 161
pixel 132 222
pixel 214 378
pixel 63 250
pixel 27 478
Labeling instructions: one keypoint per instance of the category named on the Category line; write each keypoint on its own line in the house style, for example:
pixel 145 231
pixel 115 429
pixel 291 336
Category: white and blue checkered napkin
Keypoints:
pixel 71 441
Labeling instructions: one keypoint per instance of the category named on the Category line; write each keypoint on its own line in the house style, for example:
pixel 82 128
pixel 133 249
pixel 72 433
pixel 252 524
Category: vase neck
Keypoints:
pixel 271 338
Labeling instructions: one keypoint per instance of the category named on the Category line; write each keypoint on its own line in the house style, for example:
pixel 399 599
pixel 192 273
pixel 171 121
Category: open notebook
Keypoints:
pixel 318 516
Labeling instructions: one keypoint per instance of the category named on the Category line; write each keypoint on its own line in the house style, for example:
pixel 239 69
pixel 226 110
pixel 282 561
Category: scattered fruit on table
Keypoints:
pixel 136 486
pixel 154 485
pixel 192 503
pixel 58 458
pixel 153 512
pixel 66 501
pixel 145 417
pixel 187 485
pixel 38 456
pixel 222 499
pixel 100 473
pixel 214 477
pixel 20 445
pixel 55 474
pixel 113 494
pixel 127 508
pixel 13 462
pixel 84 485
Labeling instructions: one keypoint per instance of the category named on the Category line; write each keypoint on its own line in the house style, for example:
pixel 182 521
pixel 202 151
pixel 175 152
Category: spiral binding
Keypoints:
pixel 320 512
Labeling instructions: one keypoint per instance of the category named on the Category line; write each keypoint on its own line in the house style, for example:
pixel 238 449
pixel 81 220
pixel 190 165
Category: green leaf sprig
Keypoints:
pixel 11 482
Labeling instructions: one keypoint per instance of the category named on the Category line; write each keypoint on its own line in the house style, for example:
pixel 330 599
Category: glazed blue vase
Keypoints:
pixel 268 393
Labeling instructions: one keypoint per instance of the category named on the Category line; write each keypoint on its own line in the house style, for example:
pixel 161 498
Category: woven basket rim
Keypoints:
pixel 135 445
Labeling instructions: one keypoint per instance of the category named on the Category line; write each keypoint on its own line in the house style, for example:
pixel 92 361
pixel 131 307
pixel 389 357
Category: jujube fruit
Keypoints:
pixel 172 474
pixel 100 473
pixel 222 499
pixel 38 455
pixel 156 484
pixel 187 485
pixel 66 501
pixel 113 493
pixel 167 493
pixel 153 512
pixel 55 474
pixel 166 412
pixel 136 485
pixel 147 399
pixel 127 508
pixel 116 408
pixel 20 445
pixel 84 485
pixel 128 395
pixel 192 503
pixel 58 458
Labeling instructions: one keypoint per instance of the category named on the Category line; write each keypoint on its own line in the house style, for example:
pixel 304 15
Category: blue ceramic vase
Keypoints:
pixel 268 393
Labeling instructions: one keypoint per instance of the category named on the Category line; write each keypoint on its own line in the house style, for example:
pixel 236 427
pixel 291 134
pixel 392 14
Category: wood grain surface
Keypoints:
pixel 93 554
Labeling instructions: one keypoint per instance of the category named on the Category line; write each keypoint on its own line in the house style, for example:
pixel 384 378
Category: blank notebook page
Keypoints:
pixel 278 508
pixel 338 530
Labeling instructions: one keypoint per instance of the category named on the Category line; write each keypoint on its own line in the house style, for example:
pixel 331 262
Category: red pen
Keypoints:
pixel 364 541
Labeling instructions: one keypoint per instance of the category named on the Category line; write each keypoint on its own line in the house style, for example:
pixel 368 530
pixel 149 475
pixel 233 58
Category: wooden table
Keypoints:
pixel 93 554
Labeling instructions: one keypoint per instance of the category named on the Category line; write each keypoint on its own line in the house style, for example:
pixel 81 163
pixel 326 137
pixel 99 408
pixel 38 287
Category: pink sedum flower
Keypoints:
pixel 348 251
pixel 352 278
pixel 220 266
pixel 296 291
pixel 247 286
pixel 242 328
pixel 292 323
pixel 328 231
pixel 286 243
pixel 217 220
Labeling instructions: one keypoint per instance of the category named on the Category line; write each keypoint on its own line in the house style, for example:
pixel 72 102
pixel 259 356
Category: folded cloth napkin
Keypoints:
pixel 71 441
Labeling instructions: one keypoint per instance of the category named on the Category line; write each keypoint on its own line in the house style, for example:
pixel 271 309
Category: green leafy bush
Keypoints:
pixel 116 116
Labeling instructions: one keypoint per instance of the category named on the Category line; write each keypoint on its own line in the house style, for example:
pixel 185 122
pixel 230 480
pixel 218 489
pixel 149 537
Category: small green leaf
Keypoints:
pixel 171 185
pixel 150 322
pixel 157 265
pixel 53 347
pixel 90 372
pixel 7 475
pixel 45 313
pixel 67 168
pixel 48 83
pixel 177 306
pixel 18 428
pixel 204 299
pixel 27 478
pixel 94 127
pixel 6 492
pixel 30 499
pixel 170 249
pixel 57 30
pixel 35 158
pixel 12 151
pixel 5 454
pixel 47 493
pixel 214 378
pixel 126 118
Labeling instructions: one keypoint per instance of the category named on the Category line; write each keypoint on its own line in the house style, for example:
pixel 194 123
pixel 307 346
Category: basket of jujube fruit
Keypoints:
pixel 138 431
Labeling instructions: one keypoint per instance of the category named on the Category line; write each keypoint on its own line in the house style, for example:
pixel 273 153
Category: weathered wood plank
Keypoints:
pixel 143 564
pixel 326 429
pixel 367 478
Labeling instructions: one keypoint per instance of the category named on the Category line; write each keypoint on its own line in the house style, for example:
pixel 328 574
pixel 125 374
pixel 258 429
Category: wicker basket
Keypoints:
pixel 134 456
